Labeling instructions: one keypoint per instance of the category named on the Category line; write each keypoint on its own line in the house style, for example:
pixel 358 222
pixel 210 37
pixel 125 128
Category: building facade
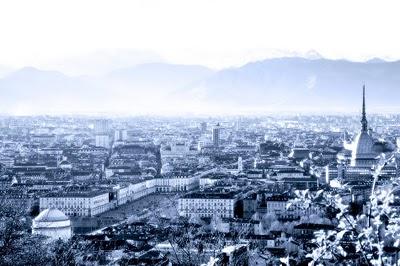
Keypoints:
pixel 208 204
pixel 78 203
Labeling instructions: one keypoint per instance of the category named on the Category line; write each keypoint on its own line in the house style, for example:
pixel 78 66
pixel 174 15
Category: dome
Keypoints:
pixel 363 146
pixel 51 215
pixel 53 224
pixel 363 152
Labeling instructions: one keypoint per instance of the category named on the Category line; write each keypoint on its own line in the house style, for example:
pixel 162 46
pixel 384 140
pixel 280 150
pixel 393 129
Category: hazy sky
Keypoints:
pixel 213 33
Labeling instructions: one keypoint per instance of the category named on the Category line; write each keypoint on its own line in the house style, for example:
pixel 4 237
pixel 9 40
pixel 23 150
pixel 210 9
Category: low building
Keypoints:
pixel 88 203
pixel 300 183
pixel 277 204
pixel 299 153
pixel 207 204
pixel 177 182
pixel 53 224
pixel 179 149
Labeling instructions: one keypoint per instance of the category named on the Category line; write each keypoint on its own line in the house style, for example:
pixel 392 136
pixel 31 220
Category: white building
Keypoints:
pixel 278 205
pixel 141 188
pixel 103 141
pixel 173 183
pixel 120 135
pixel 52 223
pixel 205 204
pixel 78 203
pixel 178 149
pixel 208 181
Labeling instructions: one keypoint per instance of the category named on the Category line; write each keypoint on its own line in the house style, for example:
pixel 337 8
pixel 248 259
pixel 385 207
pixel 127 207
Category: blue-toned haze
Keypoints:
pixel 272 85
pixel 176 57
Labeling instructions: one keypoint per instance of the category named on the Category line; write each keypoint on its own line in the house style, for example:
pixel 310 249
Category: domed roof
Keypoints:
pixel 51 215
pixel 363 146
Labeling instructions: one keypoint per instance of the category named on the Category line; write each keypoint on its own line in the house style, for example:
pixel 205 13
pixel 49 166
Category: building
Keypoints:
pixel 249 205
pixel 102 138
pixel 216 135
pixel 53 224
pixel 101 126
pixel 299 153
pixel 278 205
pixel 178 149
pixel 207 204
pixel 363 154
pixel 141 188
pixel 103 141
pixel 240 164
pixel 300 182
pixel 120 135
pixel 177 182
pixel 87 203
pixel 203 126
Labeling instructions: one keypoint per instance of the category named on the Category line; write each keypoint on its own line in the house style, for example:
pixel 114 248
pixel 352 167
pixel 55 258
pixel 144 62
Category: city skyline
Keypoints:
pixel 201 133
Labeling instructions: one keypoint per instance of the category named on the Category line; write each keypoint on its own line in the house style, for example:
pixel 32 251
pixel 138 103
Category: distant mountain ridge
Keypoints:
pixel 290 82
pixel 279 84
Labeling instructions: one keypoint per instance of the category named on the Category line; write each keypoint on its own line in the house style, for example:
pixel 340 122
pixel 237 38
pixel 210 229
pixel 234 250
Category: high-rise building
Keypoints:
pixel 103 141
pixel 124 134
pixel 120 135
pixel 117 135
pixel 216 134
pixel 101 130
pixel 203 126
pixel 240 164
pixel 238 123
pixel 101 126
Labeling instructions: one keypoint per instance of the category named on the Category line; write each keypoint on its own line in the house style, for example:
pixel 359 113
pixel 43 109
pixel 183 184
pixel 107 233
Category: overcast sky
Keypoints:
pixel 212 33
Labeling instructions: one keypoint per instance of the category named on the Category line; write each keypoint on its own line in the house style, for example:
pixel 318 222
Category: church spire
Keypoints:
pixel 364 122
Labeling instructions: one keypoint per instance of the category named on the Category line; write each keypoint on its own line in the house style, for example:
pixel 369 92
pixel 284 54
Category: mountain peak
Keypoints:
pixel 375 60
pixel 313 55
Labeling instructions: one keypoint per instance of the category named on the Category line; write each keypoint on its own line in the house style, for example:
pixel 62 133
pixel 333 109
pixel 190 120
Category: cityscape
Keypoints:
pixel 199 133
pixel 200 191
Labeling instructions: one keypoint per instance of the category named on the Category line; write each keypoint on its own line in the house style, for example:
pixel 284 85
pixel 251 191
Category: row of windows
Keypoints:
pixel 207 205
pixel 210 215
pixel 207 209
pixel 207 200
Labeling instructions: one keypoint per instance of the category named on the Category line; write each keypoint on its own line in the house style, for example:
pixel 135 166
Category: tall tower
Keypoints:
pixel 101 128
pixel 203 127
pixel 240 164
pixel 364 122
pixel 363 154
pixel 216 135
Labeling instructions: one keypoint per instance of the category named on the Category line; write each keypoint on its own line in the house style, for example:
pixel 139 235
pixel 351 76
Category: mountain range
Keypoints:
pixel 292 84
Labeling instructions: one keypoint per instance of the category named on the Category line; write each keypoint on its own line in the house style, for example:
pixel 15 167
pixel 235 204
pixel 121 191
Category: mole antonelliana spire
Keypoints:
pixel 363 154
pixel 364 121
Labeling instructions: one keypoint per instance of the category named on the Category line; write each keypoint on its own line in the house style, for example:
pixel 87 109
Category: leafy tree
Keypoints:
pixel 62 253
pixel 17 245
pixel 369 237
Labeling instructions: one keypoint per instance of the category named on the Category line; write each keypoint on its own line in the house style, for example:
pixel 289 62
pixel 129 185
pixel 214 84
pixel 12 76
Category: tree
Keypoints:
pixel 62 253
pixel 17 245
pixel 370 237
pixel 267 220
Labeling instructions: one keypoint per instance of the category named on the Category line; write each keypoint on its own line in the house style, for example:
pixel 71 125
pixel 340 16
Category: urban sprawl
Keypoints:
pixel 203 190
